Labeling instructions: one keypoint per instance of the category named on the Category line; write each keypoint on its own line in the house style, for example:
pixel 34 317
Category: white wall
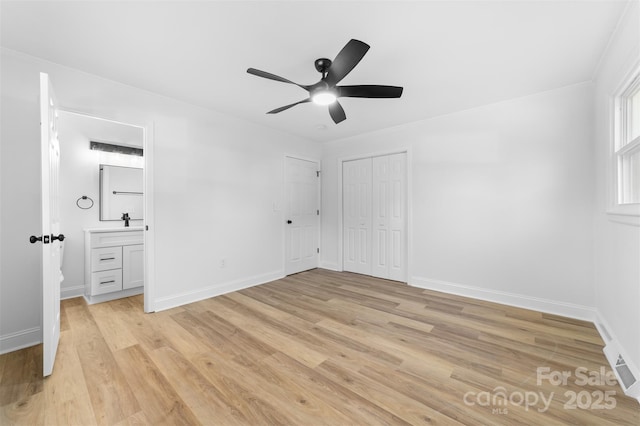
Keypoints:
pixel 216 181
pixel 502 200
pixel 79 175
pixel 617 263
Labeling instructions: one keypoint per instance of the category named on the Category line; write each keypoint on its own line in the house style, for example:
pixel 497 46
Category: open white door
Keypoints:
pixel 302 215
pixel 51 237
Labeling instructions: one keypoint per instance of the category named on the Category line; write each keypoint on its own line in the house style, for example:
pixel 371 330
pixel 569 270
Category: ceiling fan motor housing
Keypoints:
pixel 322 65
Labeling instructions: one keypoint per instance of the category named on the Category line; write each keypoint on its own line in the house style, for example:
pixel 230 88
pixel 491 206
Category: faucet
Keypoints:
pixel 125 217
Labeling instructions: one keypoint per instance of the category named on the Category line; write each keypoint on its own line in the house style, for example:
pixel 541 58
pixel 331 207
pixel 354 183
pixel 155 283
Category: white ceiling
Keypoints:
pixel 448 55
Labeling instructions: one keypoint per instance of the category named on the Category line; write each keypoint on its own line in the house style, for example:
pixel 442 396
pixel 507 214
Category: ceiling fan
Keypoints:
pixel 326 91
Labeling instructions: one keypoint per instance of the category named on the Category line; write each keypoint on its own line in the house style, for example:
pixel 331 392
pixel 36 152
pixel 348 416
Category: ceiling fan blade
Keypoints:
pixel 369 91
pixel 345 61
pixel 277 110
pixel 336 112
pixel 270 76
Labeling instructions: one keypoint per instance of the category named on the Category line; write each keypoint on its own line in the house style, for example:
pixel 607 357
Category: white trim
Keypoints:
pixel 107 297
pixel 612 37
pixel 20 340
pixel 71 292
pixel 623 213
pixel 149 220
pixel 331 266
pixel 566 309
pixel 216 290
pixel 409 217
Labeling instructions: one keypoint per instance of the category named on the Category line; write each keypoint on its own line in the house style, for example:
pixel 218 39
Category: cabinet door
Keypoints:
pixel 132 266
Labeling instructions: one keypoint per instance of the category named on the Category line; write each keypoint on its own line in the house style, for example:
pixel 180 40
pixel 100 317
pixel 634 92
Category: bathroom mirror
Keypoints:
pixel 121 192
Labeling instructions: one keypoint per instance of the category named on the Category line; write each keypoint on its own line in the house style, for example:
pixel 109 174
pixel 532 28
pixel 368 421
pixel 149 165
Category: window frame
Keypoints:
pixel 621 149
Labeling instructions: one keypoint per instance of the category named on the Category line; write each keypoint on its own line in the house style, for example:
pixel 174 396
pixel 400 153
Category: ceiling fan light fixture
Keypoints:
pixel 324 97
pixel 326 91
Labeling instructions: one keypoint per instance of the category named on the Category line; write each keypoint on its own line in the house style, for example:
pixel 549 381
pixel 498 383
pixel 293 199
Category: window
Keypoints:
pixel 626 148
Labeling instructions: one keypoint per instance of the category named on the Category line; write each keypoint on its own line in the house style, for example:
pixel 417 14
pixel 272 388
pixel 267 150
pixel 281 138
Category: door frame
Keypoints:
pixel 409 203
pixel 284 201
pixel 149 216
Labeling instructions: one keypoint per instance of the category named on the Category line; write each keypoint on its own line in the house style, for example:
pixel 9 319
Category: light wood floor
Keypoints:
pixel 317 348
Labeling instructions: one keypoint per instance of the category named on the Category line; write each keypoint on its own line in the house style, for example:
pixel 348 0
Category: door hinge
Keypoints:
pixel 317 212
pixel 317 173
pixel 318 250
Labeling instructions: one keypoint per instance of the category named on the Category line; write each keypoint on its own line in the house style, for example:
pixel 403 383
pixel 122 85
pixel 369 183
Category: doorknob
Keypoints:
pixel 59 237
pixel 44 239
pixel 289 222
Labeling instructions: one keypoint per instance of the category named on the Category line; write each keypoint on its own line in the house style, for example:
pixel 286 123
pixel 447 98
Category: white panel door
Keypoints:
pixel 397 211
pixel 356 205
pixel 51 275
pixel 374 216
pixel 302 215
pixel 380 201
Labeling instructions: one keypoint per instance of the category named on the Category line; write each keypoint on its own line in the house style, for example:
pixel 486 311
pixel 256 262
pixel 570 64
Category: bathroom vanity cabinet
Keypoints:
pixel 114 263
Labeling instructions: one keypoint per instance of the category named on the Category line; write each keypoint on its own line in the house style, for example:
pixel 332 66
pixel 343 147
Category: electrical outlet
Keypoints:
pixel 223 263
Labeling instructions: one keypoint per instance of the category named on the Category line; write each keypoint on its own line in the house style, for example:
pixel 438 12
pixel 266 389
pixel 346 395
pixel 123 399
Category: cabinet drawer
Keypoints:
pixel 106 281
pixel 122 238
pixel 106 258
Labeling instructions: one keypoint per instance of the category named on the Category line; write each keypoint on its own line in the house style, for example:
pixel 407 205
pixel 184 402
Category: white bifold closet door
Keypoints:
pixel 374 216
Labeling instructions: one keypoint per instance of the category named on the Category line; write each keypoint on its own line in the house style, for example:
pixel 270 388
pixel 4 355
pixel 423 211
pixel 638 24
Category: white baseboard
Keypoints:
pixel 164 303
pixel 71 292
pixel 332 266
pixel 107 297
pixel 20 339
pixel 565 309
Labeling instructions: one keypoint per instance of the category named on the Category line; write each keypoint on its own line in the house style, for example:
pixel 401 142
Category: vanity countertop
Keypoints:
pixel 115 229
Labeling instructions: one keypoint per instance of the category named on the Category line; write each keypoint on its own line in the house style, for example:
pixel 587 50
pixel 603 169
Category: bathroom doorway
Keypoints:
pixel 89 145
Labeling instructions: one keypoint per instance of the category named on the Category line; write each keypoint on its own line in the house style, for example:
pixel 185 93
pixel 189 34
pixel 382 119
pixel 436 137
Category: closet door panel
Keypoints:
pixel 381 209
pixel 357 216
pixel 398 217
pixel 374 216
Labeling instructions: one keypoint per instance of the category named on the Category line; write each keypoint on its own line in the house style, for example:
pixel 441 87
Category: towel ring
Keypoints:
pixel 84 197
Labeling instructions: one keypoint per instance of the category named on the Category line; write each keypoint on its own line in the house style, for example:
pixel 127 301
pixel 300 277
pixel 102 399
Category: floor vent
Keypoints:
pixel 626 373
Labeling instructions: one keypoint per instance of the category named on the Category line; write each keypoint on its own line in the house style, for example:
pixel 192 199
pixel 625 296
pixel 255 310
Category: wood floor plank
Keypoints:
pixel 22 375
pixel 406 408
pixel 157 398
pixel 66 392
pixel 237 392
pixel 269 336
pixel 315 348
pixel 202 397
pixel 114 329
pixel 358 408
pixel 111 396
